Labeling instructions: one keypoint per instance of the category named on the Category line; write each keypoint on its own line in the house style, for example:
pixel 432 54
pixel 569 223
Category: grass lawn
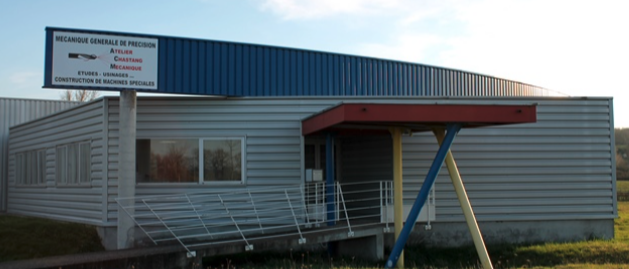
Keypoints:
pixel 622 186
pixel 622 190
pixel 29 238
pixel 622 223
pixel 587 254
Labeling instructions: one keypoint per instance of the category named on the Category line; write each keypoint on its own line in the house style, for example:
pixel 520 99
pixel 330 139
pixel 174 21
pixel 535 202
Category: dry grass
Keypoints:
pixel 622 190
pixel 622 186
pixel 587 254
pixel 622 223
pixel 28 238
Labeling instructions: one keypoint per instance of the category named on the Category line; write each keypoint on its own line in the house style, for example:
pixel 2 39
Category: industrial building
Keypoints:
pixel 548 180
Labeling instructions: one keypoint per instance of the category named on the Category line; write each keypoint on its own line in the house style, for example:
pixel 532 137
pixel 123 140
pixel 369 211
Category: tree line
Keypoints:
pixel 79 95
pixel 622 156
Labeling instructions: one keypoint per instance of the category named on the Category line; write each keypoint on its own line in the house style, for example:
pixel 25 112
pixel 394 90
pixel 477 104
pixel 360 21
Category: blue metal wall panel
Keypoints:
pixel 206 67
pixel 178 64
pixel 201 66
pixel 186 68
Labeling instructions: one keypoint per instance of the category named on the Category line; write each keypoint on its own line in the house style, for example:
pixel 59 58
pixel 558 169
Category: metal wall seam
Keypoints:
pixel 105 176
pixel 186 67
pixel 288 90
pixel 236 70
pixel 272 89
pixel 193 77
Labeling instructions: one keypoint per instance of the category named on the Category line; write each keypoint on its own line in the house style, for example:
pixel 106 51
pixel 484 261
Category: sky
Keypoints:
pixel 574 48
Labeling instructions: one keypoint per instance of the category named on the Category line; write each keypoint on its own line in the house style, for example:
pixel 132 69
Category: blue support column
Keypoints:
pixel 452 130
pixel 329 178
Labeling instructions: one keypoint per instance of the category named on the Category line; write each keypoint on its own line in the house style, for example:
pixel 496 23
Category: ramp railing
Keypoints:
pixel 200 219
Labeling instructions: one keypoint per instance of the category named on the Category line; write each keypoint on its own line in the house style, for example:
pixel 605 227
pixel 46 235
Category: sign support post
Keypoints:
pixel 126 166
pixel 127 63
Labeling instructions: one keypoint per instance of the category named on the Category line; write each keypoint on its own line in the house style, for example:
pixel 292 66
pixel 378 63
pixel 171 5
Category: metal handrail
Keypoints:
pixel 340 194
pixel 197 219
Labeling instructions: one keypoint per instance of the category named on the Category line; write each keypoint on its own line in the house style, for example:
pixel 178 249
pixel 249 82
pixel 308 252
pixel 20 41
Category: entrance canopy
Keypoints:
pixel 445 121
pixel 414 117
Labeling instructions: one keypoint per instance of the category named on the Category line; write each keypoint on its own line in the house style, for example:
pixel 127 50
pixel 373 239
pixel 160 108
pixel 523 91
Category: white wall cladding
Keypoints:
pixel 79 204
pixel 14 112
pixel 272 129
pixel 556 169
pixel 559 168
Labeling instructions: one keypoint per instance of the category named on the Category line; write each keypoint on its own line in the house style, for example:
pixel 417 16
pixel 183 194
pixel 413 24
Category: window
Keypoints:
pixel 189 160
pixel 30 167
pixel 73 164
pixel 222 159
pixel 167 160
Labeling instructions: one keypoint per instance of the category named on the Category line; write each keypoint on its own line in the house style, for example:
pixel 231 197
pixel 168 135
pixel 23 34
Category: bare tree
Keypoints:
pixel 174 166
pixel 220 165
pixel 79 95
pixel 233 144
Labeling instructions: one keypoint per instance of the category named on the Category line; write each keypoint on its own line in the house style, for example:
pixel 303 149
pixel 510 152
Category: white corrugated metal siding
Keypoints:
pixel 272 129
pixel 71 203
pixel 558 168
pixel 14 112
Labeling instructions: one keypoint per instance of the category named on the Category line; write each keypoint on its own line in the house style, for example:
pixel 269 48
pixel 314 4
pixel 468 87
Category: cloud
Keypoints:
pixel 309 10
pixel 26 78
pixel 407 47
pixel 567 46
pixel 562 45
pixel 398 27
pixel 574 47
pixel 27 84
pixel 401 13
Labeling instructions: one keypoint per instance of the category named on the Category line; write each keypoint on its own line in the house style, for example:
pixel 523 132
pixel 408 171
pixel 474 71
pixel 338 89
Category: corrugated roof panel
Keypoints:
pixel 207 67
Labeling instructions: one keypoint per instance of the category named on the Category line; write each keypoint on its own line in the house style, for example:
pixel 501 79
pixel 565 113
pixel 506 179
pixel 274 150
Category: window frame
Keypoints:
pixel 200 172
pixel 243 158
pixel 73 156
pixel 30 168
pixel 41 167
pixel 191 183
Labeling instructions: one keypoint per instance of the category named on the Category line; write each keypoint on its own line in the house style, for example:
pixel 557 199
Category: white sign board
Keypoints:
pixel 98 60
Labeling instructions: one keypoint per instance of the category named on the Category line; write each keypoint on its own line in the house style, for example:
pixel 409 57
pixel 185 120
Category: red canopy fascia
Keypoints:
pixel 416 117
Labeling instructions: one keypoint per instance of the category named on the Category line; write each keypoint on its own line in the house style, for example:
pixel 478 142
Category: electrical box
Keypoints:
pixel 314 175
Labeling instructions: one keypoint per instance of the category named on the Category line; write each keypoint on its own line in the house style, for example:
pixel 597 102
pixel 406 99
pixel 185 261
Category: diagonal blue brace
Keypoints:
pixel 452 130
